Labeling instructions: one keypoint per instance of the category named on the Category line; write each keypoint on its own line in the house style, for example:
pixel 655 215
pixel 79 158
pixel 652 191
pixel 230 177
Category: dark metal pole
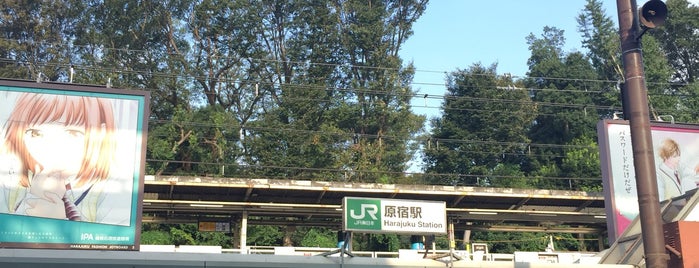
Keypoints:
pixel 635 95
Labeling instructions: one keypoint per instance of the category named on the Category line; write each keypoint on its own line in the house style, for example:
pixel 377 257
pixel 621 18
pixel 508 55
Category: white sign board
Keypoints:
pixel 394 216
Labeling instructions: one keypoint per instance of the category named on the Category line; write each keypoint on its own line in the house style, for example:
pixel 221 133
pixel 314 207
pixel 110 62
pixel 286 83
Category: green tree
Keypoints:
pixel 215 239
pixel 662 98
pixel 315 237
pixel 371 39
pixel 679 40
pixel 293 136
pixel 482 131
pixel 508 242
pixel 690 102
pixel 377 242
pixel 182 234
pixel 156 237
pixel 153 234
pixel 582 161
pixel 601 39
pixel 668 53
pixel 264 235
pixel 32 34
pixel 226 62
pixel 350 116
pixel 565 84
pixel 139 45
pixel 194 142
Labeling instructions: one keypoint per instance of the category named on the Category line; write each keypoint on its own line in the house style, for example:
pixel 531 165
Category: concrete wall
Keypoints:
pixel 25 258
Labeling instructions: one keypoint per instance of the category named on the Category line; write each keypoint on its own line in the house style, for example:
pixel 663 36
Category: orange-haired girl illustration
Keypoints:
pixel 64 146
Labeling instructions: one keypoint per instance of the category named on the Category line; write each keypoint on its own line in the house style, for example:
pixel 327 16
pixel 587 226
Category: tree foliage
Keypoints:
pixel 483 128
pixel 283 89
pixel 317 90
pixel 274 89
pixel 679 40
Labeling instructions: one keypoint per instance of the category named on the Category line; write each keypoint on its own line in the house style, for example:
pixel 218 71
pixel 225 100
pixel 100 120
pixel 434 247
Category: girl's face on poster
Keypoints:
pixel 56 146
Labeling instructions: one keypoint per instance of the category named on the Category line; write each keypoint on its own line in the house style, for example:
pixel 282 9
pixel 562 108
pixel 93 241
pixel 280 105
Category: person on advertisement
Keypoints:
pixel 62 148
pixel 673 179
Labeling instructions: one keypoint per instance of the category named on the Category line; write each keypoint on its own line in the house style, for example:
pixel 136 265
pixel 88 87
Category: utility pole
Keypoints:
pixel 634 94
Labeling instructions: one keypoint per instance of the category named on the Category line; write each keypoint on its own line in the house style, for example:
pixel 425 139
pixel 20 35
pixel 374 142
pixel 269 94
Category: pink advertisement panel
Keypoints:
pixel 676 151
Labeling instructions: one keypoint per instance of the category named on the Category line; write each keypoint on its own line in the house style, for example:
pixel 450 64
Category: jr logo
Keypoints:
pixel 370 209
pixel 362 214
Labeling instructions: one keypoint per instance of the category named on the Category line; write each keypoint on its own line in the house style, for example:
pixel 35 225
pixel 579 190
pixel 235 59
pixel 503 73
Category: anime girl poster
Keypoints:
pixel 71 165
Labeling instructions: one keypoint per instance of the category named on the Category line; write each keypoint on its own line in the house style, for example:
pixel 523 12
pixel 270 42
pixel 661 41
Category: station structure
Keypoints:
pixel 237 202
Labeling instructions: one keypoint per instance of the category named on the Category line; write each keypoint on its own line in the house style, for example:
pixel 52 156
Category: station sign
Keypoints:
pixel 374 215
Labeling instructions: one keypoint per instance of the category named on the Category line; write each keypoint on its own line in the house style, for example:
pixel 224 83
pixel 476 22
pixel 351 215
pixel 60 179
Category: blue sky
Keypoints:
pixel 455 34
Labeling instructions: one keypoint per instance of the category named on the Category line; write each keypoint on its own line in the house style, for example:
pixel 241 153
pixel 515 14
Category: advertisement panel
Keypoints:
pixel 72 162
pixel 214 226
pixel 676 150
pixel 394 216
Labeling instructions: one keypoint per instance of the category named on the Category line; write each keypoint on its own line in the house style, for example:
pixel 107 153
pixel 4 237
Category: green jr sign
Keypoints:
pixel 363 214
pixel 394 216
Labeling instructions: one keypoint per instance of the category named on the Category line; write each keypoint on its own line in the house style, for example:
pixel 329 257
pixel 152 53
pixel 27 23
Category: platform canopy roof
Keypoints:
pixel 178 199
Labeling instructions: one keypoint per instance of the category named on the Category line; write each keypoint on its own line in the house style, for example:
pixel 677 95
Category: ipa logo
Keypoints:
pixel 363 214
pixel 86 236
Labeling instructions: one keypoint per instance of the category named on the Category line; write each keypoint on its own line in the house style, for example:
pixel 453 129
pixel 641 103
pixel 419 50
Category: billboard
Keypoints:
pixel 374 215
pixel 676 150
pixel 71 166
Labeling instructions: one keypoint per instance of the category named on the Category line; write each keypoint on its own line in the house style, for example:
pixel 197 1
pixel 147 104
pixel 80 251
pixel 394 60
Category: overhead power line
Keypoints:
pixel 415 96
pixel 344 170
pixel 131 51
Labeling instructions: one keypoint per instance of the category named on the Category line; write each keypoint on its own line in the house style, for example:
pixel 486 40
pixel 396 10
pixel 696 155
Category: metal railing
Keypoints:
pixel 313 251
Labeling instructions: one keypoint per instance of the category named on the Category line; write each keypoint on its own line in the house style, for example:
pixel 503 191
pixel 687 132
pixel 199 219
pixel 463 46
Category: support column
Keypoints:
pixel 450 234
pixel 234 232
pixel 340 239
pixel 244 233
pixel 467 240
pixel 288 232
